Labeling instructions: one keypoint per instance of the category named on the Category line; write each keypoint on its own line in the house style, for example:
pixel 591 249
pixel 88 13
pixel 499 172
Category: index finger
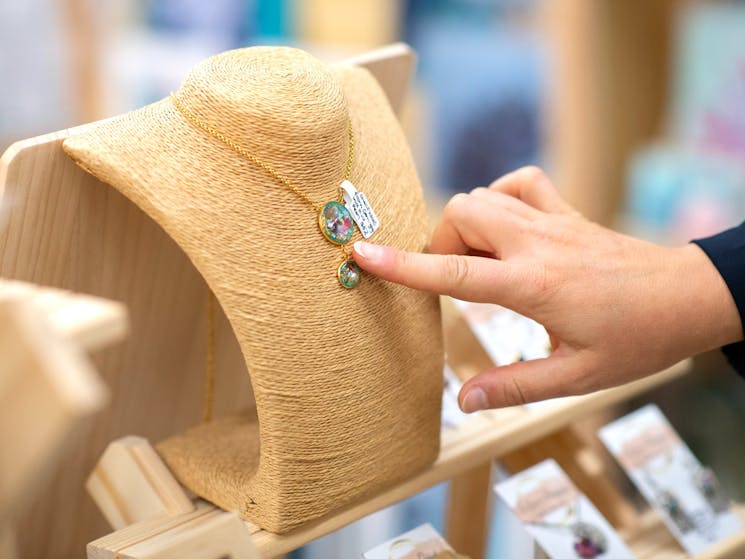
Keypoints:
pixel 470 278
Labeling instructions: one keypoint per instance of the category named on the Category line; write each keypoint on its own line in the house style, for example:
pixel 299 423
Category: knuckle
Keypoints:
pixel 543 228
pixel 478 190
pixel 582 378
pixel 547 281
pixel 518 393
pixel 532 173
pixel 402 261
pixel 575 384
pixel 456 272
pixel 553 228
pixel 543 282
pixel 456 204
pixel 513 393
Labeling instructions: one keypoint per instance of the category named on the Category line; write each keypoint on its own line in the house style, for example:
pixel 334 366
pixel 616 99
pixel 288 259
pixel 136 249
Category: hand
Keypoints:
pixel 616 308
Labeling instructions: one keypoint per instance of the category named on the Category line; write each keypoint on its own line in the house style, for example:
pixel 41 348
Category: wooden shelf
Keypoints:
pixel 484 437
pixel 487 436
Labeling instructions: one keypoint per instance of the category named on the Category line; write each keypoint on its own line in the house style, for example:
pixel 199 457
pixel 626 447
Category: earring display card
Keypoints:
pixel 563 521
pixel 670 478
pixel 452 416
pixel 423 542
pixel 506 336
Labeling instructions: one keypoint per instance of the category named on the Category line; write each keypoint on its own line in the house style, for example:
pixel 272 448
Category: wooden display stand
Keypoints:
pixel 65 227
pixel 513 435
pixel 48 386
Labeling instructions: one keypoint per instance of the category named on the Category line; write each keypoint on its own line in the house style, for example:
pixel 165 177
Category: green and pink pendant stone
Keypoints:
pixel 337 225
pixel 590 542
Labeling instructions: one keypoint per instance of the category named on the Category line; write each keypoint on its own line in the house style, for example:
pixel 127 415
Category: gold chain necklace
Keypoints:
pixel 335 220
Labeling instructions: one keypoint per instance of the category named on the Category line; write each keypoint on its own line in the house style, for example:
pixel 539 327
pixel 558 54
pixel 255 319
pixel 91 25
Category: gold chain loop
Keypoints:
pixel 242 152
pixel 196 121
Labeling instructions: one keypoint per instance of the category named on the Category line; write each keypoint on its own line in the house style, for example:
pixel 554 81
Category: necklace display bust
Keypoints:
pixel 347 383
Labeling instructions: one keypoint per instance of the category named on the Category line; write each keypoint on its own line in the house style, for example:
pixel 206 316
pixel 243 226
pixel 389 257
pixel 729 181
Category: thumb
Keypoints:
pixel 523 382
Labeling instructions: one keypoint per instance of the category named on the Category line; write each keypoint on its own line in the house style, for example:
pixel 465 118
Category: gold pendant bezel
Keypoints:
pixel 322 226
pixel 359 274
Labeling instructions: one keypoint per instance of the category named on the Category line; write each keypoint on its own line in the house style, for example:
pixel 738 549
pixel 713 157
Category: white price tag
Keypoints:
pixel 362 213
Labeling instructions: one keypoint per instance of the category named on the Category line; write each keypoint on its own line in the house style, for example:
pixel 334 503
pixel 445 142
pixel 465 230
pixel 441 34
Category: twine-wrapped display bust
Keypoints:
pixel 347 382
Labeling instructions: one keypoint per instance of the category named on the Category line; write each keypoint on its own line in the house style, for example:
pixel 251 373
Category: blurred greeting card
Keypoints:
pixel 506 336
pixel 562 520
pixel 670 478
pixel 452 416
pixel 422 542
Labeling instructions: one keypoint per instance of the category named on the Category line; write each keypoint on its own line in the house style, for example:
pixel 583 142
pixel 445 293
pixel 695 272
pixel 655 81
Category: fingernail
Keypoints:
pixel 368 251
pixel 475 400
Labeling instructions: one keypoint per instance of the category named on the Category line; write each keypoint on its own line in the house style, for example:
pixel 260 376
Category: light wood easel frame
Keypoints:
pixel 48 386
pixel 64 228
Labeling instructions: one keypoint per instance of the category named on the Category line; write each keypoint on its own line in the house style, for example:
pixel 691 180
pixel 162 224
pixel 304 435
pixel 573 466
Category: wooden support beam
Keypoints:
pixel 47 386
pixel 467 511
pixel 7 542
pixel 650 539
pixel 393 67
pixel 131 484
pixel 83 38
pixel 466 454
pixel 204 533
pixel 610 64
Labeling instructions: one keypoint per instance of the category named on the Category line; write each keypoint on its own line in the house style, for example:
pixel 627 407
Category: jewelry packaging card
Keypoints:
pixel 423 542
pixel 452 416
pixel 506 336
pixel 563 521
pixel 671 478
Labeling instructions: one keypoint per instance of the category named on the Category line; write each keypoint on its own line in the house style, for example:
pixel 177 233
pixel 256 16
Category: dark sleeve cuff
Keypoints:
pixel 727 252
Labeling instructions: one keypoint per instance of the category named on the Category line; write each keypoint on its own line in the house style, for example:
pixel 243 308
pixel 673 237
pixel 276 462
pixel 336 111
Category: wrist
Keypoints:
pixel 713 314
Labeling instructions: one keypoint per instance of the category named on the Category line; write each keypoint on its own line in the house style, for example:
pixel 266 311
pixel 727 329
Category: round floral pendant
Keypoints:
pixel 336 222
pixel 349 274
pixel 589 540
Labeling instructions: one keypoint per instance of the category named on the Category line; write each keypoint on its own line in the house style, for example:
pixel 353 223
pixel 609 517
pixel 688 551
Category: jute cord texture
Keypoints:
pixel 347 384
